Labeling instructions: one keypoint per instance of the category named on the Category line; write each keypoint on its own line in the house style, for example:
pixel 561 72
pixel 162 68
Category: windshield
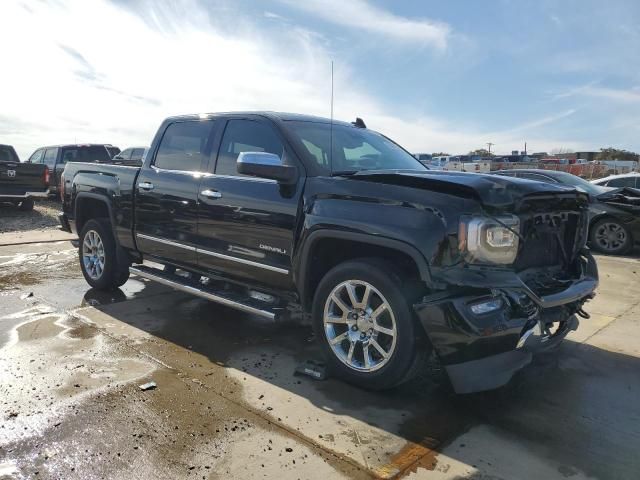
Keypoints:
pixel 354 149
pixel 580 183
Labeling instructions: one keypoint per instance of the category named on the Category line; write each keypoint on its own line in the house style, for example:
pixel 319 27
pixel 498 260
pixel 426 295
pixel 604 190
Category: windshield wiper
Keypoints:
pixel 339 173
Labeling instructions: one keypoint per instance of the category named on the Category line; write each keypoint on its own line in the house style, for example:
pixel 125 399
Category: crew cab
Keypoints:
pixel 55 157
pixel 20 183
pixel 295 217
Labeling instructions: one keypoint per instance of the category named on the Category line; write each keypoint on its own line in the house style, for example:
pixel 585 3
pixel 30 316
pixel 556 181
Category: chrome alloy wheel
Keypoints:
pixel 93 254
pixel 360 326
pixel 610 236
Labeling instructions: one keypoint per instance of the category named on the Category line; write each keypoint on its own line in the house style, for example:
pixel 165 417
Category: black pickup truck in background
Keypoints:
pixel 55 157
pixel 299 217
pixel 20 183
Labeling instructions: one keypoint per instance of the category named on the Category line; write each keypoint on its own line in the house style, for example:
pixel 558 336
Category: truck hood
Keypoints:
pixel 495 191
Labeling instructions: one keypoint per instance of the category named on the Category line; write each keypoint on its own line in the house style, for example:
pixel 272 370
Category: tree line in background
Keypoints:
pixel 605 154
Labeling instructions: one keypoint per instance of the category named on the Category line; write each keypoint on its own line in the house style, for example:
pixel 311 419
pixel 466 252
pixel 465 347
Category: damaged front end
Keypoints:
pixel 519 283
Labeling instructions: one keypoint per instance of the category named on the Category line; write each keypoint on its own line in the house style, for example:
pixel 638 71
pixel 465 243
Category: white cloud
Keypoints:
pixel 593 89
pixel 96 72
pixel 628 95
pixel 361 15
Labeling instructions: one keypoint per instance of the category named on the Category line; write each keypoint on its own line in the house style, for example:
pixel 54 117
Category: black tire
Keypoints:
pixel 410 344
pixel 26 205
pixel 115 270
pixel 613 245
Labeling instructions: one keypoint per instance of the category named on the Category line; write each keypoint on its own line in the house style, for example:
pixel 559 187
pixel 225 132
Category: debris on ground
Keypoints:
pixel 313 369
pixel 24 296
pixel 147 386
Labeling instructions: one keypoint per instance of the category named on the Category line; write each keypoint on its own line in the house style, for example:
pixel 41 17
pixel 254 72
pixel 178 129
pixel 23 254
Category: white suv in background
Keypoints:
pixel 618 181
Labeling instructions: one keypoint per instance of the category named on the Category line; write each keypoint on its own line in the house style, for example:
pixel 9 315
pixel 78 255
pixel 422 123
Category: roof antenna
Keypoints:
pixel 331 127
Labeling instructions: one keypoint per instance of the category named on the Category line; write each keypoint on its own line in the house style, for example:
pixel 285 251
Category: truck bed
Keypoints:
pixel 113 181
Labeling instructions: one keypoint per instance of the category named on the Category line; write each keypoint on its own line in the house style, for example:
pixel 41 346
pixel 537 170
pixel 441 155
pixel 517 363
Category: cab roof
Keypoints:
pixel 282 116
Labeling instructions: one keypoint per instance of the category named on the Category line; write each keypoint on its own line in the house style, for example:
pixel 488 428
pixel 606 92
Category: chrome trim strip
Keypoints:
pixel 166 242
pixel 246 178
pixel 201 293
pixel 283 271
pixel 246 262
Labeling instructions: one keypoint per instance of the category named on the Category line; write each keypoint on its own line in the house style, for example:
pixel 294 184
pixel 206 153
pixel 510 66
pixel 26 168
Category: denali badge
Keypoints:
pixel 269 248
pixel 11 173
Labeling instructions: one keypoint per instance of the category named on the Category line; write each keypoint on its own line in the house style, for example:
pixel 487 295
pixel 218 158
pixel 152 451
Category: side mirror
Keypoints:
pixel 266 165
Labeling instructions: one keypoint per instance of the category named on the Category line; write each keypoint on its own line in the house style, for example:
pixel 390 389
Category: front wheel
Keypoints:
pixel 365 325
pixel 99 263
pixel 610 236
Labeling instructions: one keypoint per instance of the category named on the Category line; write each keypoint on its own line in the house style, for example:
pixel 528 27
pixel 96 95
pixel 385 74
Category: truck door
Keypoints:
pixel 166 192
pixel 246 225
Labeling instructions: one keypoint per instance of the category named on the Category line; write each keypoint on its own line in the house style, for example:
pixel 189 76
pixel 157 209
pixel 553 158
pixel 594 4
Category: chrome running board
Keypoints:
pixel 245 304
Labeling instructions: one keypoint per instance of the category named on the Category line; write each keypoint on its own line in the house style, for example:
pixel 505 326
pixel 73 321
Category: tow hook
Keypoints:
pixel 583 314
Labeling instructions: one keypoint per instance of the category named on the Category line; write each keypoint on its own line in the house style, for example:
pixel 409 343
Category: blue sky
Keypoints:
pixel 433 75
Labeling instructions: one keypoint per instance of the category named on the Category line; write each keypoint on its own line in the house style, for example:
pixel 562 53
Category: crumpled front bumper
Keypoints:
pixel 484 351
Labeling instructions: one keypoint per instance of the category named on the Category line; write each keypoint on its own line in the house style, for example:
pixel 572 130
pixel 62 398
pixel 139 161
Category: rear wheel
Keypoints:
pixel 610 236
pixel 26 205
pixel 365 324
pixel 99 262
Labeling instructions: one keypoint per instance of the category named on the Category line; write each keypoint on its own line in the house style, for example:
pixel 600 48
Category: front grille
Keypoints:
pixel 550 239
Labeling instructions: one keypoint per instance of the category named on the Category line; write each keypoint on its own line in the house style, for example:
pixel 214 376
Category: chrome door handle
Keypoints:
pixel 211 193
pixel 146 185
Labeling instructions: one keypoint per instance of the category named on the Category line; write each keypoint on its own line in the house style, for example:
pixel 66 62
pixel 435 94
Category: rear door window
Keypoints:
pixel 622 182
pixel 125 154
pixel 245 136
pixel 137 154
pixel 37 156
pixel 50 157
pixel 184 146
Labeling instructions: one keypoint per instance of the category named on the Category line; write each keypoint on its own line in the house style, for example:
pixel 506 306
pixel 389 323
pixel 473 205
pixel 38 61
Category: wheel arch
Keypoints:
pixel 93 205
pixel 324 249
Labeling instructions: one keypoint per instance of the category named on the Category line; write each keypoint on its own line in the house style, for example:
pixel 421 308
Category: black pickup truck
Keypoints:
pixel 20 183
pixel 56 156
pixel 291 216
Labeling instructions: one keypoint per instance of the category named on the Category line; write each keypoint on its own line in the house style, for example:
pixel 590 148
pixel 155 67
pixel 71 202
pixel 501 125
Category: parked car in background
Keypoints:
pixel 554 161
pixel 113 150
pixel 423 158
pixel 481 166
pixel 56 157
pixel 331 221
pixel 437 163
pixel 614 213
pixel 130 156
pixel 626 180
pixel 20 183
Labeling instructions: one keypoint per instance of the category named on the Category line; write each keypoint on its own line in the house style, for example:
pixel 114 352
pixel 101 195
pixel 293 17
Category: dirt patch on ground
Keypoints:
pixel 44 215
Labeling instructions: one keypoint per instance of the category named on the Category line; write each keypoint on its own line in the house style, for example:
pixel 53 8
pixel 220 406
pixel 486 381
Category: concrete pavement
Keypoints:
pixel 227 403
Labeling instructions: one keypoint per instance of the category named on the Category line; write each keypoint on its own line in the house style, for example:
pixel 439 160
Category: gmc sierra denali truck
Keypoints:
pixel 285 215
pixel 20 183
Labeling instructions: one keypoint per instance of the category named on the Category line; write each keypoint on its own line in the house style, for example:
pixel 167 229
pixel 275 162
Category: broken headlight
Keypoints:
pixel 489 240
